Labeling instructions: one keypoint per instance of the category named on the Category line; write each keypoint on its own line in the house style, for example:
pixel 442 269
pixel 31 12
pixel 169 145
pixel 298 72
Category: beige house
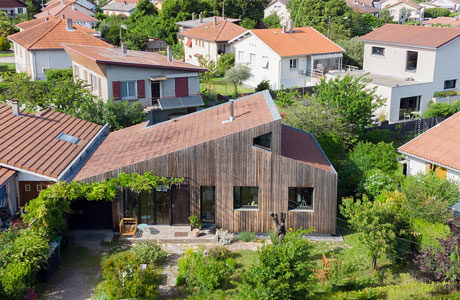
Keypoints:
pixel 165 87
pixel 396 6
pixel 209 40
pixel 278 7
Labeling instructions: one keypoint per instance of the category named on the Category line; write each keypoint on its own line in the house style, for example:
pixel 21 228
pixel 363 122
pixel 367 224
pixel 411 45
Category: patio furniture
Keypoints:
pixel 128 226
pixel 416 114
pixel 141 228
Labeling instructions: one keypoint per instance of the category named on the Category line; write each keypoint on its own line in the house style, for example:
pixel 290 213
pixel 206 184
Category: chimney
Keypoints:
pixel 124 50
pixel 74 7
pixel 283 29
pixel 201 17
pixel 169 53
pixel 193 16
pixel 215 21
pixel 15 107
pixel 46 19
pixel 69 25
pixel 232 112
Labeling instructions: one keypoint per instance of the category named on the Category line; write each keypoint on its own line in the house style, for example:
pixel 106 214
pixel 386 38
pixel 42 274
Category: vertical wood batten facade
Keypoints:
pixel 233 161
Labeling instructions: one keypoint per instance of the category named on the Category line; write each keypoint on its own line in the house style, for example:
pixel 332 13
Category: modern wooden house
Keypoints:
pixel 239 163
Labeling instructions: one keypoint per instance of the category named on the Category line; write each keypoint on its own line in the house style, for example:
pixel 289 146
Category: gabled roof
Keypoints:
pixel 362 7
pixel 407 2
pixel 301 41
pixel 12 4
pixel 125 6
pixel 68 11
pixel 53 33
pixel 139 143
pixel 439 145
pixel 302 146
pixel 196 22
pixel 115 56
pixel 452 21
pixel 31 23
pixel 6 174
pixel 223 31
pixel 30 142
pixel 419 36
pixel 285 2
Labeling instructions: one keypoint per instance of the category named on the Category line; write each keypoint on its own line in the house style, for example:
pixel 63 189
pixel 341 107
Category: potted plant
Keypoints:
pixel 195 224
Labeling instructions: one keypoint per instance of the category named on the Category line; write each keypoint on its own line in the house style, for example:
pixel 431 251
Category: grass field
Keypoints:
pixel 6 54
pixel 219 86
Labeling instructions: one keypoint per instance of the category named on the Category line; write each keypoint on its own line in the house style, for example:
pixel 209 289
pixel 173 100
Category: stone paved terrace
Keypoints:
pixel 172 234
pixel 377 79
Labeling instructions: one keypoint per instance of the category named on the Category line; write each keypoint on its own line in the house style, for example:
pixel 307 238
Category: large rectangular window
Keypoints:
pixel 300 198
pixel 252 59
pixel 245 197
pixel 128 89
pixel 450 84
pixel 293 62
pixel 208 204
pixel 263 141
pixel 93 80
pixel 412 58
pixel 378 51
pixel 407 106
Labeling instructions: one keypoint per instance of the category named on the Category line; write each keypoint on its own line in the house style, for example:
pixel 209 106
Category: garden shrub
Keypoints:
pixel 127 276
pixel 220 253
pixel 4 44
pixel 436 12
pixel 204 273
pixel 378 135
pixel 246 236
pixel 441 264
pixel 283 271
pixel 378 182
pixel 226 62
pixel 150 253
pixel 21 257
pixel 368 156
pixel 442 94
pixel 286 97
pixel 59 74
pixel 263 85
pixel 440 110
pixel 429 233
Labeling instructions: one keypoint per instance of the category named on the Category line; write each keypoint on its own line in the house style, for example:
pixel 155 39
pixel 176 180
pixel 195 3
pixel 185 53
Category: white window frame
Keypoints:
pixel 39 187
pixel 94 85
pixel 265 62
pixel 127 87
pixel 252 59
pixel 293 63
pixel 27 187
pixel 450 88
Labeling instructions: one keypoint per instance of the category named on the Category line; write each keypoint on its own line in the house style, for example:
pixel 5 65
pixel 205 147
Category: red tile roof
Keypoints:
pixel 302 146
pixel 440 144
pixel 224 31
pixel 138 143
pixel 12 4
pixel 32 23
pixel 5 174
pixel 29 142
pixel 431 37
pixel 301 41
pixel 53 33
pixel 68 12
pixel 133 58
pixel 454 22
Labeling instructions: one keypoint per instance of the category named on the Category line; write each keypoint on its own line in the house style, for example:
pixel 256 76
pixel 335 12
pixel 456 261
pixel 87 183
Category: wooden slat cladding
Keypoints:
pixel 234 161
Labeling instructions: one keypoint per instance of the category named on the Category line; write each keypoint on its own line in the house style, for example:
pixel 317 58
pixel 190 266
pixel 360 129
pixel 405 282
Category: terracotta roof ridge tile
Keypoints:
pixel 44 33
pixel 220 30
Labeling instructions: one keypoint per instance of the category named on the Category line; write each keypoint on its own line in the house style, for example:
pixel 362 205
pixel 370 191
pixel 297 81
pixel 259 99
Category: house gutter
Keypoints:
pixel 28 172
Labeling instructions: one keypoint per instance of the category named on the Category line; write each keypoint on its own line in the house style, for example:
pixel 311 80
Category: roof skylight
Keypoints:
pixel 68 138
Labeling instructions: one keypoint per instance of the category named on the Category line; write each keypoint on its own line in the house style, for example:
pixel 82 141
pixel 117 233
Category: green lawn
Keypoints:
pixel 11 66
pixel 6 54
pixel 218 86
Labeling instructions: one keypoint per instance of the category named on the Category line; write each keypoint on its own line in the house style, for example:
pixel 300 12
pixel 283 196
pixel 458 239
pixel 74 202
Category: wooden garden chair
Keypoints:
pixel 128 226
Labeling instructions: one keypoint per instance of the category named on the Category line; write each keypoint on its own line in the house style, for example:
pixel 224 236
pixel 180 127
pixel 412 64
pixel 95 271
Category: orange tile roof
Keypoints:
pixel 134 58
pixel 224 31
pixel 32 23
pixel 5 174
pixel 53 33
pixel 454 22
pixel 29 142
pixel 431 37
pixel 138 143
pixel 68 12
pixel 302 41
pixel 440 144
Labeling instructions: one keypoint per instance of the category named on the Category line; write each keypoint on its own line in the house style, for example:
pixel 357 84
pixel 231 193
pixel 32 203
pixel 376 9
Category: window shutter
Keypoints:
pixel 116 90
pixel 99 88
pixel 85 75
pixel 141 89
pixel 181 86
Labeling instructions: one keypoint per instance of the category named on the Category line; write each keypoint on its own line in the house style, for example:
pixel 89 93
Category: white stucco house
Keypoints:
pixel 287 58
pixel 436 149
pixel 453 5
pixel 39 48
pixel 88 4
pixel 167 88
pixel 78 14
pixel 278 7
pixel 209 40
pixel 408 64
pixel 200 20
pixel 396 7
pixel 13 7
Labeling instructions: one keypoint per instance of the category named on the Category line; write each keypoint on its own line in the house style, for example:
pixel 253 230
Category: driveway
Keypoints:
pixel 80 267
pixel 7 59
